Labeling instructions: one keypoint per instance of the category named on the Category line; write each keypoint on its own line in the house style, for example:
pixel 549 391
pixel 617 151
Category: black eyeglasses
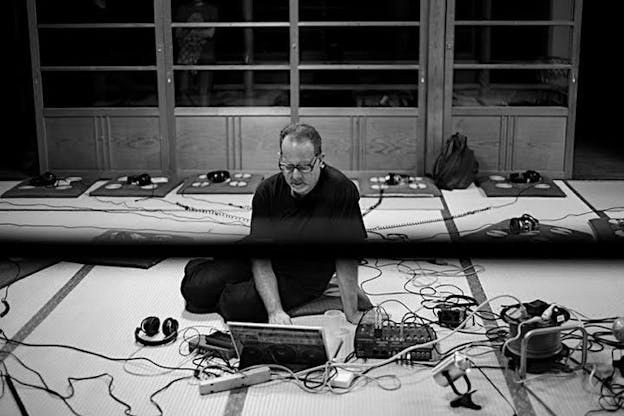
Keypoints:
pixel 301 167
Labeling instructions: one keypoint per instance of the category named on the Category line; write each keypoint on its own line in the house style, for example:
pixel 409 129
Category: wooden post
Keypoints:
pixel 293 17
pixel 249 51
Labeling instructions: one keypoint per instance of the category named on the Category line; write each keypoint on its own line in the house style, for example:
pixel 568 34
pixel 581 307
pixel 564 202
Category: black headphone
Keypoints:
pixel 529 176
pixel 149 326
pixel 142 179
pixel 523 224
pixel 393 178
pixel 45 179
pixel 218 176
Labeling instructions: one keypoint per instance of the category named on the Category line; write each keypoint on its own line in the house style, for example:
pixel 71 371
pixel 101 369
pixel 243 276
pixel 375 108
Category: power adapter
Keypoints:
pixel 342 379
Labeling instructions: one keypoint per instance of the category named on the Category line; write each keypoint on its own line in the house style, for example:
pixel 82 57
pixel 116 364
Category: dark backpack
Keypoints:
pixel 456 166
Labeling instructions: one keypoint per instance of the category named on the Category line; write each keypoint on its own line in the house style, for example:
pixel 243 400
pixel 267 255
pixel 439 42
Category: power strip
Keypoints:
pixel 235 381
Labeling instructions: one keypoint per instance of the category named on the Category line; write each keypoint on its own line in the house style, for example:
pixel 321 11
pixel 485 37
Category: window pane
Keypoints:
pixel 514 10
pixel 95 11
pixel 359 45
pixel 230 11
pixel 510 87
pixel 359 10
pixel 478 44
pixel 100 89
pixel 232 88
pixel 230 46
pixel 97 47
pixel 334 88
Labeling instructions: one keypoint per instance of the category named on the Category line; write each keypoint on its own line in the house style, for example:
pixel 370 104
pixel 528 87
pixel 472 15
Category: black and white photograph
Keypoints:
pixel 311 207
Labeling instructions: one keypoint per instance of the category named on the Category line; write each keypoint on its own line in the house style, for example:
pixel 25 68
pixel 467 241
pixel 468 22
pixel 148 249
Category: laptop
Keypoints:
pixel 292 346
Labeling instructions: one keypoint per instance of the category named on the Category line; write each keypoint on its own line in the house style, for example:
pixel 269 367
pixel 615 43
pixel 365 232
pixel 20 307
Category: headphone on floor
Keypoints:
pixel 529 176
pixel 45 179
pixel 218 176
pixel 142 179
pixel 149 326
pixel 524 224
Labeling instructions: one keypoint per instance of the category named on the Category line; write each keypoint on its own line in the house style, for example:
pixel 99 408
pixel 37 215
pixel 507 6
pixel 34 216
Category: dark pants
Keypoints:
pixel 227 286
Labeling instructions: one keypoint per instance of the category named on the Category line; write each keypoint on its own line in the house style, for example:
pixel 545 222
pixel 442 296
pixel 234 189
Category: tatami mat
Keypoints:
pixel 101 312
pixel 569 212
pixel 602 195
pixel 212 218
pixel 28 295
pixel 592 287
pixel 204 218
pixel 418 392
pixel 100 315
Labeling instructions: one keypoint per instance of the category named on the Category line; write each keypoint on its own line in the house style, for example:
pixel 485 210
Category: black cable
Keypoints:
pixel 4 301
pixel 368 211
pixel 495 387
pixel 71 347
pixel 153 395
pixel 16 396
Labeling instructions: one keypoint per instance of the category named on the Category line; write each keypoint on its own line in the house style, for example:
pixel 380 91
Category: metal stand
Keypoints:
pixel 543 331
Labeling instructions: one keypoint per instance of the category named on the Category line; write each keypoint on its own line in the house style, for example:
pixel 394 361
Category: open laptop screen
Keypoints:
pixel 292 346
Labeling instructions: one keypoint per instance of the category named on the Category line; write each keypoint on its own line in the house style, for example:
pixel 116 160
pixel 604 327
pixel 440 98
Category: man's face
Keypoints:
pixel 300 154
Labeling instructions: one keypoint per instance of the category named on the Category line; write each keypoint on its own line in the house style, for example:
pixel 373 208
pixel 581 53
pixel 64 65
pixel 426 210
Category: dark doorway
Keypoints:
pixel 599 142
pixel 18 158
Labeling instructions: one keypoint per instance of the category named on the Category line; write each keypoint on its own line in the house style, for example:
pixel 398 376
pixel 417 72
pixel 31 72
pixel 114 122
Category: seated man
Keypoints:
pixel 309 201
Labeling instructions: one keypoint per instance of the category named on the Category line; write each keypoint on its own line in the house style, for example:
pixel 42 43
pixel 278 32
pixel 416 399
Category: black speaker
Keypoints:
pixel 45 179
pixel 218 176
pixel 149 327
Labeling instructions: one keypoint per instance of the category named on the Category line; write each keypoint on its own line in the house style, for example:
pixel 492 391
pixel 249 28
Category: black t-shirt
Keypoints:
pixel 329 213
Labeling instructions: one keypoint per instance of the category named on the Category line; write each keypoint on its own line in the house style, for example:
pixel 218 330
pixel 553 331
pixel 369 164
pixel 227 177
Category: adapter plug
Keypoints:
pixel 342 379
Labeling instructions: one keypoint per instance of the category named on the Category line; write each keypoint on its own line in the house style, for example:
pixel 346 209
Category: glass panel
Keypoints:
pixel 510 87
pixel 95 11
pixel 334 88
pixel 496 44
pixel 230 46
pixel 359 45
pixel 359 10
pixel 75 47
pixel 230 11
pixel 100 89
pixel 514 10
pixel 232 88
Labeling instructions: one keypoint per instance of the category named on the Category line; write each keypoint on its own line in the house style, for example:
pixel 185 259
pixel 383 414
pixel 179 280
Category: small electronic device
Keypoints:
pixel 529 176
pixel 393 178
pixel 141 180
pixel 450 316
pixel 292 346
pixel 375 340
pixel 524 224
pixel 45 179
pixel 217 342
pixel 218 176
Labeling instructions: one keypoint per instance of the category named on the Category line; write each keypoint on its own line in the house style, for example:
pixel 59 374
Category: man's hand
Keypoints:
pixel 354 317
pixel 279 318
